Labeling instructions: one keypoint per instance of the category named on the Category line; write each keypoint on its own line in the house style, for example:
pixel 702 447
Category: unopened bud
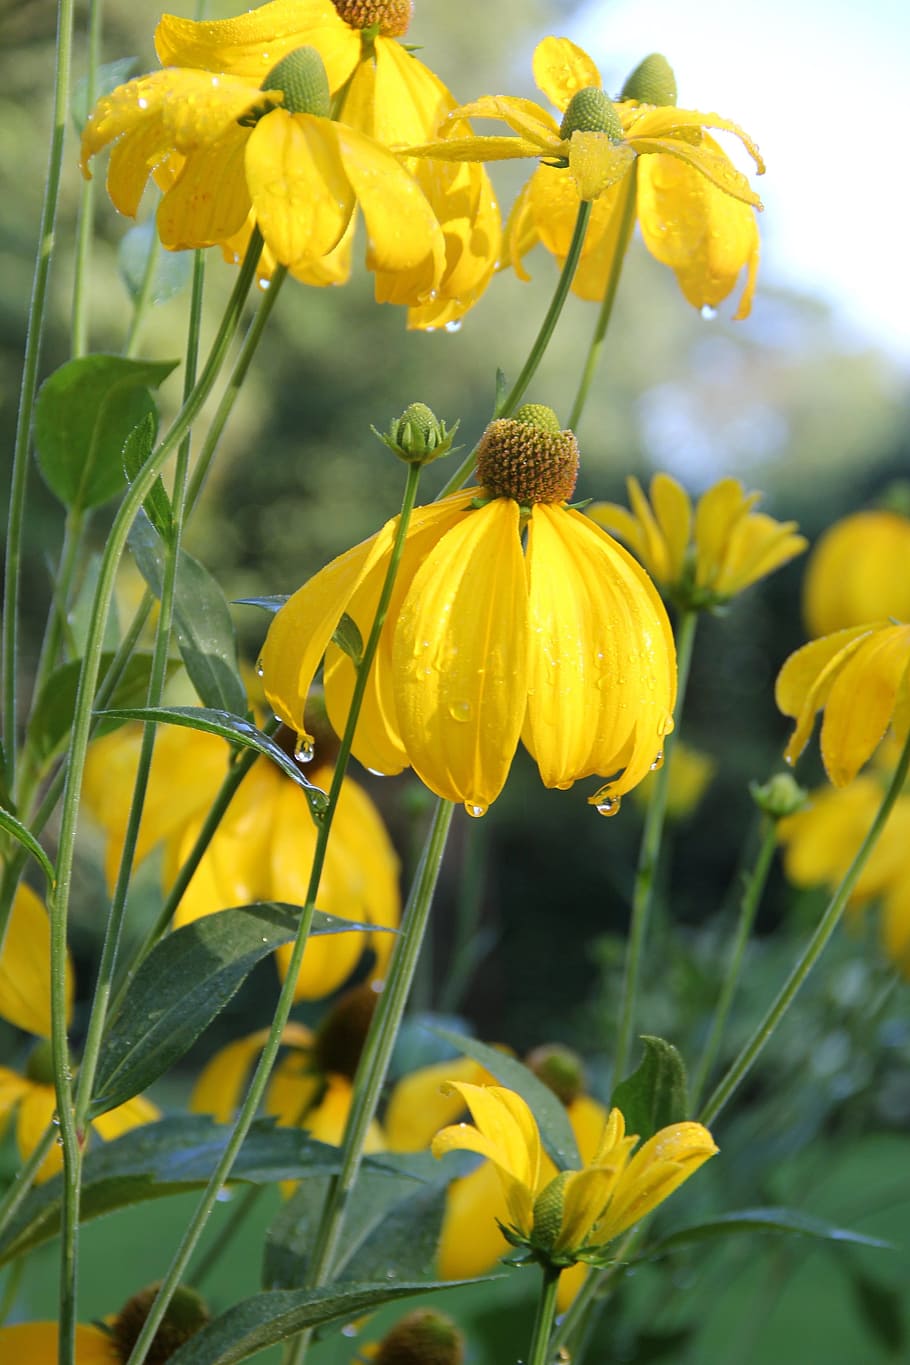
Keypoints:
pixel 781 795
pixel 652 82
pixel 301 78
pixel 559 1068
pixel 417 436
pixel 591 111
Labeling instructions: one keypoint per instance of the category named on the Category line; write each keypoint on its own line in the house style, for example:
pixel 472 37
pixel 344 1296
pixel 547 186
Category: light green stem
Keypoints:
pixel 624 230
pixel 649 856
pixel 749 903
pixel 539 1352
pixel 548 326
pixel 826 926
pixel 261 1075
pixel 143 298
pixel 86 225
pixel 566 1339
pixel 20 1187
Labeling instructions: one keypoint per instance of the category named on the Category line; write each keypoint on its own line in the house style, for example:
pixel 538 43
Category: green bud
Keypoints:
pixel 417 436
pixel 781 795
pixel 540 416
pixel 896 498
pixel 301 78
pixel 652 82
pixel 591 111
pixel 559 1068
pixel 548 1207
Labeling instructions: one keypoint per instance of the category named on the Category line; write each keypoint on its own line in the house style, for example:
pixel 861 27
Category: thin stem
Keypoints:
pixel 13 1197
pixel 649 855
pixel 29 386
pixel 816 945
pixel 625 221
pixel 542 341
pixel 749 903
pixel 539 1352
pixel 143 298
pixel 220 1244
pixel 86 224
pixel 590 1298
pixel 11 1288
pixel 261 1075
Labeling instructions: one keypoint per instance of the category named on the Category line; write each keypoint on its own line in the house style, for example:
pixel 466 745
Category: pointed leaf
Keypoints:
pixel 27 840
pixel 769 1219
pixel 107 78
pixel 171 270
pixel 270 604
pixel 552 1119
pixel 84 415
pixel 657 1093
pixel 136 450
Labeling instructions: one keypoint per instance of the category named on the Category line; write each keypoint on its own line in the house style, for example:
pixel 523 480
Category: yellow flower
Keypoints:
pixel 574 1215
pixel 223 149
pixel 383 91
pixel 565 644
pixel 36 1343
pixel 857 572
pixel 701 560
pixel 860 678
pixel 696 211
pixel 25 1001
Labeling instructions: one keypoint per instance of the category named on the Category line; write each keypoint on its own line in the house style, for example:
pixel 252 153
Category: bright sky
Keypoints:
pixel 821 85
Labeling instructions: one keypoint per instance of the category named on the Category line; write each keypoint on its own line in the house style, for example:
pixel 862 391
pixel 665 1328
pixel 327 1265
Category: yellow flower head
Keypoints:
pixel 384 92
pixel 860 678
pixel 510 618
pixel 857 572
pixel 38 1343
pixel 574 1215
pixel 703 558
pixel 696 211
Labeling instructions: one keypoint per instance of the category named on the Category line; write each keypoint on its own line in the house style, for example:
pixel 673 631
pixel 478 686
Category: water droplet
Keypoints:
pixel 391 1273
pixel 658 762
pixel 475 812
pixel 460 710
pixel 264 939
pixel 708 313
pixel 454 326
pixel 374 772
pixel 142 102
pixel 609 806
pixel 260 668
pixel 303 749
pixel 55 1120
pixel 665 725
pixel 59 1139
pixel 349 1329
pixel 788 759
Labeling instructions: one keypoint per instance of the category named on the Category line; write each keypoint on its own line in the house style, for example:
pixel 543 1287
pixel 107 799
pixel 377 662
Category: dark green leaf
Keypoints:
pixel 202 620
pixel 552 1119
pixel 107 78
pixel 27 840
pixel 271 604
pixel 261 1321
pixel 236 729
pixel 84 415
pixel 348 638
pixel 657 1093
pixel 881 1307
pixel 136 450
pixel 164 1158
pixel 170 273
pixel 769 1219
pixel 185 981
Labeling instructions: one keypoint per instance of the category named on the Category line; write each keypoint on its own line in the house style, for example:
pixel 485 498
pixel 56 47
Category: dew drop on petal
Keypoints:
pixel 475 812
pixel 609 806
pixel 658 762
pixel 374 772
pixel 665 725
pixel 708 313
pixel 453 326
pixel 303 749
pixel 460 710
pixel 260 668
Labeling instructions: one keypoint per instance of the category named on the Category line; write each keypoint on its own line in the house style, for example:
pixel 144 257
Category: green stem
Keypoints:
pixel 751 899
pixel 261 1075
pixel 86 223
pixel 542 341
pixel 29 386
pixel 816 945
pixel 13 1197
pixel 220 1244
pixel 143 298
pixel 649 855
pixel 590 1299
pixel 539 1352
pixel 625 226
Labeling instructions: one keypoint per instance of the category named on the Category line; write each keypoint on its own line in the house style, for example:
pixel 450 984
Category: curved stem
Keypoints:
pixel 649 856
pixel 751 899
pixel 826 926
pixel 625 223
pixel 261 1075
pixel 539 1352
pixel 541 342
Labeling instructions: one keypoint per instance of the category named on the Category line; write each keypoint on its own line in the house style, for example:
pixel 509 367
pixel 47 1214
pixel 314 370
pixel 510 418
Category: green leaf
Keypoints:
pixel 165 1158
pixel 84 415
pixel 271 604
pixel 27 840
pixel 235 729
pixel 185 981
pixel 348 638
pixel 107 78
pixel 881 1307
pixel 552 1119
pixel 769 1219
pixel 137 448
pixel 52 719
pixel 170 273
pixel 657 1093
pixel 265 1319
pixel 202 620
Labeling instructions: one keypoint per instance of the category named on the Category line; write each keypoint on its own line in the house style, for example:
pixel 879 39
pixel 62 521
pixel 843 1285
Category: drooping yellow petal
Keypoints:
pixel 895 927
pixel 326 1122
pixel 666 120
pixel 805 680
pixel 37 1105
pixel 222 1080
pixel 294 1089
pixel 757 545
pixel 460 657
pixel 718 511
pixel 821 841
pixel 37 1343
pixel 372 864
pixel 532 124
pixel 506 1133
pixel 395 98
pixel 424 1101
pixel 481 148
pixel 209 200
pixel 655 553
pixel 658 1168
pixel 561 69
pixel 850 577
pixel 521 232
pixel 25 962
pixel 861 701
pixel 471 1242
pixel 585 1196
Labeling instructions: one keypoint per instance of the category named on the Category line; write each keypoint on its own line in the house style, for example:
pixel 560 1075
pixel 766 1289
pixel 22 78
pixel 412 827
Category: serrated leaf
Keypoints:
pixel 186 980
pixel 107 78
pixel 136 450
pixel 171 271
pixel 271 604
pixel 770 1219
pixel 28 841
pixel 84 414
pixel 235 729
pixel 348 638
pixel 657 1093
pixel 552 1120
pixel 165 1158
pixel 202 620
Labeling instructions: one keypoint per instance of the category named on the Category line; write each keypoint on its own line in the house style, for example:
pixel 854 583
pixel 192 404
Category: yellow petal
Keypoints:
pixel 460 657
pixel 655 552
pixel 619 521
pixel 666 121
pixel 408 100
pixel 521 231
pixel 471 1242
pixel 596 163
pixel 561 69
pixel 373 866
pixel 37 1106
pixel 478 148
pixel 506 1133
pixel 463 201
pixel 533 124
pixel 209 200
pixel 673 511
pixel 326 1123
pixel 850 577
pixel 25 961
pixel 133 1114
pixel 222 1080
pixel 422 1102
pixel 801 671
pixel 895 926
pixel 588 1118
pixel 294 1089
pixel 861 701
pixel 717 513
pixel 757 545
pixel 658 1168
pixel 331 269
pixel 585 1196
pixel 37 1343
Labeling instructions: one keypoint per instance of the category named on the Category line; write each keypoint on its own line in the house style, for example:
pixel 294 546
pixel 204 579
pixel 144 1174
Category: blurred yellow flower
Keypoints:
pixel 25 962
pixel 572 1216
pixel 513 618
pixel 696 211
pixel 37 1343
pixel 382 90
pixel 860 678
pixel 691 774
pixel 700 559
pixel 857 573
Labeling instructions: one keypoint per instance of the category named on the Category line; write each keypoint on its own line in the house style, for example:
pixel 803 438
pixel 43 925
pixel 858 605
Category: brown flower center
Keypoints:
pixel 527 457
pixel 392 16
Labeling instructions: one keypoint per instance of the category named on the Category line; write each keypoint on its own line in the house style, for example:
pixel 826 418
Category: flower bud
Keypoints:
pixel 652 82
pixel 417 436
pixel 424 1337
pixel 301 78
pixel 781 795
pixel 186 1315
pixel 548 1210
pixel 559 1068
pixel 591 111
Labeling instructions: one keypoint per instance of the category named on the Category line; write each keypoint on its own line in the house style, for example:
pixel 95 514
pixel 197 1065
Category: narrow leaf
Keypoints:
pixel 171 271
pixel 348 638
pixel 27 840
pixel 769 1219
pixel 271 604
pixel 107 78
pixel 136 450
pixel 552 1119
pixel 657 1093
